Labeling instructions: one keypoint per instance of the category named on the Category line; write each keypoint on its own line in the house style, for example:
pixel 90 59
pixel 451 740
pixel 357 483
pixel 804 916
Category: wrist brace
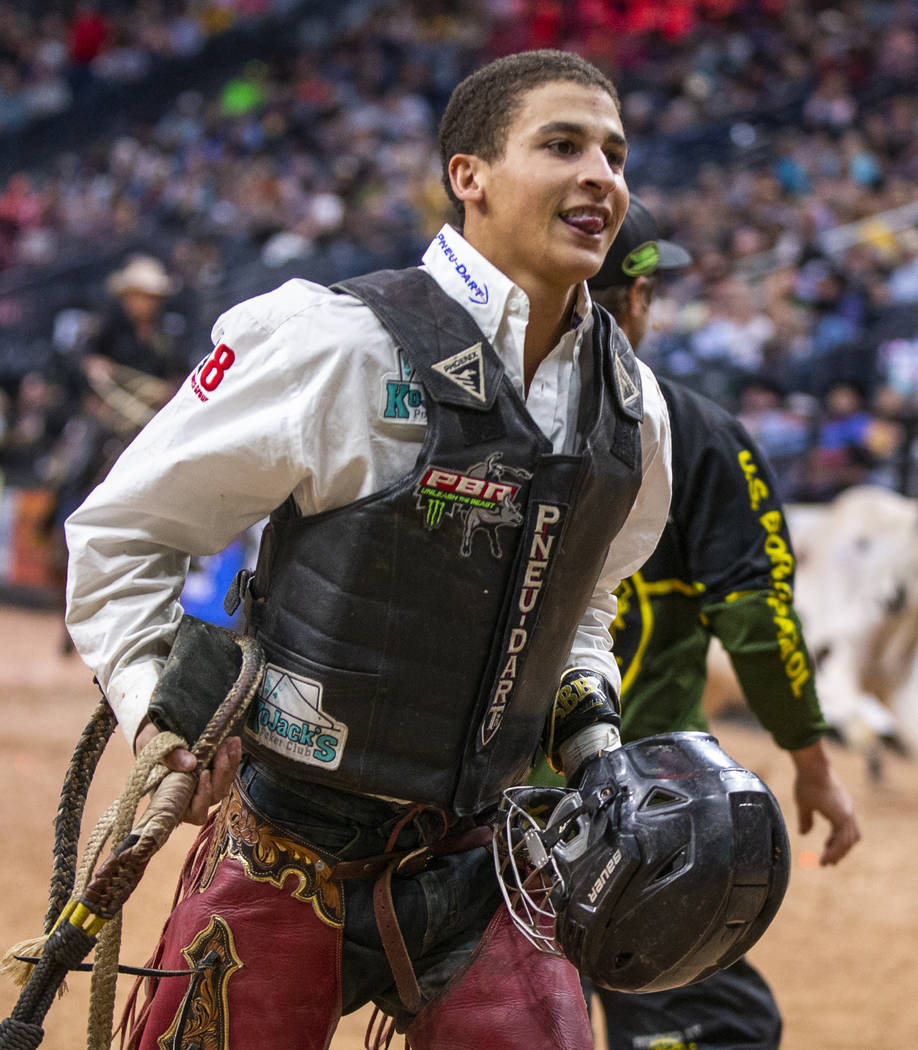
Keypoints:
pixel 585 718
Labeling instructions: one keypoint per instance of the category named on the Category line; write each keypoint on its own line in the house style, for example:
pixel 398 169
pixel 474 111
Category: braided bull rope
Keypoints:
pixel 70 809
pixel 78 925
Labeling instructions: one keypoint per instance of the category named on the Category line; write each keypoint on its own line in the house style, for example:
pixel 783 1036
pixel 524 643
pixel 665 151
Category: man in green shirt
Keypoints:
pixel 724 567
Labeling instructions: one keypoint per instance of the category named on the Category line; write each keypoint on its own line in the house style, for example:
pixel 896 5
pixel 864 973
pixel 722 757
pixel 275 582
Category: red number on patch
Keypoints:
pixel 213 372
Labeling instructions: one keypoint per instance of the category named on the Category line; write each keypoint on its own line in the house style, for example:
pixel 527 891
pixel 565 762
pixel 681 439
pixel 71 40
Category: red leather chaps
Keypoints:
pixel 510 996
pixel 263 930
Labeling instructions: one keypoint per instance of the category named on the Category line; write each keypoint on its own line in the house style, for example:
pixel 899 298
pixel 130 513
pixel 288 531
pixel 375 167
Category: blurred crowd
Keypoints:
pixel 51 53
pixel 778 142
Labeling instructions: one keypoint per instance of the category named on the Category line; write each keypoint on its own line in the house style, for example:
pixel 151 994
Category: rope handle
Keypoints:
pixel 94 907
pixel 115 879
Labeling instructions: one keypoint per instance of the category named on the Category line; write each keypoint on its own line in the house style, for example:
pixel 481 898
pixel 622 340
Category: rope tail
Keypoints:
pixel 67 827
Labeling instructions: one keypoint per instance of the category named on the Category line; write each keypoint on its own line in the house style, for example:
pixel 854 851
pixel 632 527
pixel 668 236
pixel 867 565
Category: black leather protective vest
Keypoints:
pixel 415 638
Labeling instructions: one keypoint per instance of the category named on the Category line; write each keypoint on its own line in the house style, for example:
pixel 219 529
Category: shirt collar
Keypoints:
pixel 583 309
pixel 478 286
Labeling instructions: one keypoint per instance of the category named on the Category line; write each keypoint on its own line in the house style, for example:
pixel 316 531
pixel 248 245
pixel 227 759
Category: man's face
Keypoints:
pixel 141 307
pixel 551 205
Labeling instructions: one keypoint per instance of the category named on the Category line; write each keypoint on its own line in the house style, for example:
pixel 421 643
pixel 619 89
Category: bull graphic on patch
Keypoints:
pixel 484 497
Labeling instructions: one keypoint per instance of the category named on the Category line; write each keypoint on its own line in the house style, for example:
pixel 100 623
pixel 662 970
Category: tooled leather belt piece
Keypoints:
pixel 273 856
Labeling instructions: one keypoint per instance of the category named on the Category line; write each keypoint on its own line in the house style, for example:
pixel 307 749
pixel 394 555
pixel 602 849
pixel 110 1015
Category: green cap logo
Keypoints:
pixel 642 260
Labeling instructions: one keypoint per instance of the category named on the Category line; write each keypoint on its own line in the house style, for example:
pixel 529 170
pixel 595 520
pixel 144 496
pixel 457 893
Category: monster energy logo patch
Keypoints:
pixel 403 395
pixel 289 720
pixel 466 370
pixel 435 508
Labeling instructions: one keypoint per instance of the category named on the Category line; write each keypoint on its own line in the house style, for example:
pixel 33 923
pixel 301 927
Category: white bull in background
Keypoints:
pixel 857 597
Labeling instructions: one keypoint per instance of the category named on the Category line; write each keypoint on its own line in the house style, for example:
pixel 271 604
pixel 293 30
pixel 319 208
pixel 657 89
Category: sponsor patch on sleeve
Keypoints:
pixel 210 372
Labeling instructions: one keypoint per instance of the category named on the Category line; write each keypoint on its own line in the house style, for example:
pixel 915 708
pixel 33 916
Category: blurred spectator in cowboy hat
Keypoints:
pixel 130 363
pixel 134 361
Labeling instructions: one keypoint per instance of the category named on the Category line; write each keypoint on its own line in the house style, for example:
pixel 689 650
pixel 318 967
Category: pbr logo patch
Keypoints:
pixel 484 497
pixel 403 396
pixel 290 720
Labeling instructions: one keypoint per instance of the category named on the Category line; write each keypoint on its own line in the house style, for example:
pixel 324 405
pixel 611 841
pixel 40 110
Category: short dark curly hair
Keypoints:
pixel 484 105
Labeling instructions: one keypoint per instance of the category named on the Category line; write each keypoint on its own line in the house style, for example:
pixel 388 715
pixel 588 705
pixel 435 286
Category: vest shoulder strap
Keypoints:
pixel 626 376
pixel 450 353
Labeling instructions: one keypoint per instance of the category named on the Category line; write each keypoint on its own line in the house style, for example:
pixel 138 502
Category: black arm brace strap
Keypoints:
pixel 584 698
pixel 202 667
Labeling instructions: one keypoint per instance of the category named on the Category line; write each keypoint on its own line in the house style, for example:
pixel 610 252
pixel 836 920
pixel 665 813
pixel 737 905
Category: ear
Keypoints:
pixel 640 294
pixel 465 177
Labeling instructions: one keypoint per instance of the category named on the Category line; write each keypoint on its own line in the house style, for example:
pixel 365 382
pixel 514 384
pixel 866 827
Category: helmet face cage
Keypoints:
pixel 532 884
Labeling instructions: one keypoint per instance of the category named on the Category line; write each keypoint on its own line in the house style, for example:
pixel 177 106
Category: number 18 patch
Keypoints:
pixel 209 374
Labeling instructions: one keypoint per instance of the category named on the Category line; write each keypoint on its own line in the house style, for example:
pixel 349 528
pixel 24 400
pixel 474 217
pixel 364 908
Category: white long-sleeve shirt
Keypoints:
pixel 306 394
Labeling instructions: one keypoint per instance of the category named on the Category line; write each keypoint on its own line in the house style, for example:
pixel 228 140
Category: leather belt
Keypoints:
pixel 410 862
pixel 382 868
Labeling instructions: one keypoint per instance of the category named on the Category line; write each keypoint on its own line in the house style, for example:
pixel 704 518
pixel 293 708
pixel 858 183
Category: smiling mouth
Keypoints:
pixel 591 223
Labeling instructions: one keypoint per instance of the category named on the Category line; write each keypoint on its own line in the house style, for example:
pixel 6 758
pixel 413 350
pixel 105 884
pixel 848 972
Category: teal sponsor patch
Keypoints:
pixel 290 721
pixel 403 396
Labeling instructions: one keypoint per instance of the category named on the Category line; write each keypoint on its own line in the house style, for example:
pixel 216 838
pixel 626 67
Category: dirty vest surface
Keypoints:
pixel 415 638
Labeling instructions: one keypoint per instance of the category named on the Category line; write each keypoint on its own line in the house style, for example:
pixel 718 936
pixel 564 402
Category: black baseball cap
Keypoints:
pixel 637 250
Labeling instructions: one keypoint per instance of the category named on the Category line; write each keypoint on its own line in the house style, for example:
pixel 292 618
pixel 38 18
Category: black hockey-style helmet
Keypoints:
pixel 664 866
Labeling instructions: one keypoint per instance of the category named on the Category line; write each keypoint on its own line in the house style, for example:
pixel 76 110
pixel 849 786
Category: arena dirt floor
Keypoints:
pixel 840 955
